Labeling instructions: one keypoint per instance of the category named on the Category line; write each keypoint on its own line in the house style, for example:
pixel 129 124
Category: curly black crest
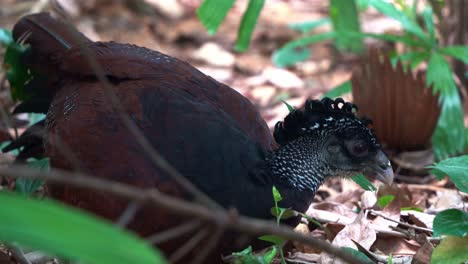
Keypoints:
pixel 318 114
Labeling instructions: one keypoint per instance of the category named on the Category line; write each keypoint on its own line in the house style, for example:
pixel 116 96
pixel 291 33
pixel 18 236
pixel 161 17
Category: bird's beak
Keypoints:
pixel 380 169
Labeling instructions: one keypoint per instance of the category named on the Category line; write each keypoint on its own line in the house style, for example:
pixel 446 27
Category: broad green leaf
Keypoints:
pixel 408 24
pixel 457 170
pixel 364 183
pixel 289 56
pixel 249 19
pixel 451 222
pixel 69 233
pixel 448 138
pixel 35 117
pixel 308 26
pixel 361 256
pixel 283 213
pixel 345 18
pixel 429 23
pixel 413 57
pixel 290 107
pixel 339 90
pixel 269 255
pixel 405 39
pixel 246 256
pixel 212 13
pixel 384 200
pixel 451 250
pixel 276 195
pixel 458 52
pixel 14 152
pixel 277 240
pixel 6 38
pixel 28 186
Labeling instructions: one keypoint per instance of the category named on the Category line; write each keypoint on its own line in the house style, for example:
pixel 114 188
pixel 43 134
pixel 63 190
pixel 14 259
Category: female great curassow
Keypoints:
pixel 210 133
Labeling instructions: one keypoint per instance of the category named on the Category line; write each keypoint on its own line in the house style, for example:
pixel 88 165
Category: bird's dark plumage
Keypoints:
pixel 210 133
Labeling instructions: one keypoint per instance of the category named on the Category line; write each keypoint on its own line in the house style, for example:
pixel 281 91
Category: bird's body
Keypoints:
pixel 207 131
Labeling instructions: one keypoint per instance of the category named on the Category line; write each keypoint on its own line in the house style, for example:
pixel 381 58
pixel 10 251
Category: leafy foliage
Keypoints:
pixel 451 250
pixel 345 18
pixel 246 256
pixel 451 222
pixel 28 186
pixel 363 182
pixel 361 256
pixel 457 170
pixel 17 73
pixel 212 13
pixel 66 232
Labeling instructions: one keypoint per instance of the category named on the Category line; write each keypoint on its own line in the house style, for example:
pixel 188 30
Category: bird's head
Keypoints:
pixel 336 139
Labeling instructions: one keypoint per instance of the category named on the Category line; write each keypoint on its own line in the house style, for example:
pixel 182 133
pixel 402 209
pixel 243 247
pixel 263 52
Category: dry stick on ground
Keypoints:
pixel 401 223
pixel 144 143
pixel 220 217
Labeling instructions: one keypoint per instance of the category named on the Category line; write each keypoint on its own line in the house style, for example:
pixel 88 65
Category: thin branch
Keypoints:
pixel 127 216
pixel 220 217
pixel 188 246
pixel 401 223
pixel 174 232
pixel 208 248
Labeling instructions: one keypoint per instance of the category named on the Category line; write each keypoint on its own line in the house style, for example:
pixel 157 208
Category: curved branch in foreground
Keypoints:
pixel 152 197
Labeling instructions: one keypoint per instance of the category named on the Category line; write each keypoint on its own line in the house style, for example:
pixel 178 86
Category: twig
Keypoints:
pixel 188 246
pixel 220 217
pixel 127 216
pixel 201 256
pixel 174 232
pixel 401 223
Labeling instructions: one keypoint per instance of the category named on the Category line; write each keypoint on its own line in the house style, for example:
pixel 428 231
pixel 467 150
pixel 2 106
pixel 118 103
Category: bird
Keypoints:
pixel 207 131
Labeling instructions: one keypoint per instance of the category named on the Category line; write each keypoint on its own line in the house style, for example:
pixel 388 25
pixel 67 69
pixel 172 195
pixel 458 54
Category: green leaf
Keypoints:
pixel 308 26
pixel 363 182
pixel 14 152
pixel 451 222
pixel 361 256
pixel 429 23
pixel 17 73
pixel 345 18
pixel 384 200
pixel 28 186
pixel 339 90
pixel 269 255
pixel 246 256
pixel 249 19
pixel 451 250
pixel 212 13
pixel 282 213
pixel 276 195
pixel 407 23
pixel 413 57
pixel 457 170
pixel 69 233
pixel 448 138
pixel 405 39
pixel 277 240
pixel 35 117
pixel 6 37
pixel 458 52
pixel 289 56
pixel 290 108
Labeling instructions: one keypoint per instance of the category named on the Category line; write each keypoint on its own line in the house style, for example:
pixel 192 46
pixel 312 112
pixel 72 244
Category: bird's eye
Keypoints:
pixel 359 149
